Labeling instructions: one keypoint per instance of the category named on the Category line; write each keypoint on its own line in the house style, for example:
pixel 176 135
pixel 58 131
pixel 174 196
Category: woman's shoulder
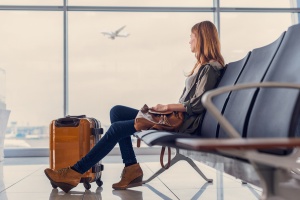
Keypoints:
pixel 213 65
pixel 213 68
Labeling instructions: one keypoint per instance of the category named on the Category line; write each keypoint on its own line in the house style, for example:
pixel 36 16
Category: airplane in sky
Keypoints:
pixel 113 34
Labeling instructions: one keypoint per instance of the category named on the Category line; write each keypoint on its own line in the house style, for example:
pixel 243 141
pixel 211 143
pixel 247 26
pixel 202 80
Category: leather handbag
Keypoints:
pixel 168 120
pixel 148 119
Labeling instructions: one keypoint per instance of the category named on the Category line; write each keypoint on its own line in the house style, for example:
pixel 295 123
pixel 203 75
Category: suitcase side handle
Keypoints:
pixel 97 131
pixel 67 122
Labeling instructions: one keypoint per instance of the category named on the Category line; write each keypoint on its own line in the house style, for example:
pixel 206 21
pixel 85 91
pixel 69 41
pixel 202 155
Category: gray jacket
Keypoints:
pixel 206 79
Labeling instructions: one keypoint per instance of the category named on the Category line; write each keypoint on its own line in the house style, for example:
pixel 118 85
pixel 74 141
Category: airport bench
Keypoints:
pixel 252 119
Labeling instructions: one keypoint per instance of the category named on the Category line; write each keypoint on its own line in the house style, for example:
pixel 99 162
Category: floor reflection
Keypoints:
pixel 128 194
pixel 201 190
pixel 61 195
pixel 157 192
pixel 253 191
pixel 87 195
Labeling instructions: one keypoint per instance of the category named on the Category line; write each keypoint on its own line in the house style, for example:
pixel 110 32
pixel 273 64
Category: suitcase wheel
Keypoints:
pixel 87 186
pixel 99 182
pixel 53 185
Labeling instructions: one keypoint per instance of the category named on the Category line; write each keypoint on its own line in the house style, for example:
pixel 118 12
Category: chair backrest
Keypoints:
pixel 275 112
pixel 240 101
pixel 230 76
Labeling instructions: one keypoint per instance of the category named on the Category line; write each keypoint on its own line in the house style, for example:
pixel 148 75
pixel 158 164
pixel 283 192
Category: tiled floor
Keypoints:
pixel 23 178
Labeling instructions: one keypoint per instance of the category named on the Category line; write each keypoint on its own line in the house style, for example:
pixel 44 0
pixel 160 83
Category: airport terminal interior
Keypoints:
pixel 60 57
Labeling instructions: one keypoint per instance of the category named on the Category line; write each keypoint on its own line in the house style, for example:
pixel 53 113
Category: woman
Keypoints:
pixel 205 44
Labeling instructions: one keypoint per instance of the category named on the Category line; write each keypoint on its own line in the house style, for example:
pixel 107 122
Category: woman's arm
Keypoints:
pixel 207 81
pixel 169 107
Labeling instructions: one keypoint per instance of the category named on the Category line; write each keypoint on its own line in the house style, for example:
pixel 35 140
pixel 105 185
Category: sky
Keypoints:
pixel 146 67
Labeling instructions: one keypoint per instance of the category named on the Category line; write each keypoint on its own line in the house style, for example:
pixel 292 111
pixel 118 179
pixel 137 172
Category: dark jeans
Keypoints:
pixel 122 127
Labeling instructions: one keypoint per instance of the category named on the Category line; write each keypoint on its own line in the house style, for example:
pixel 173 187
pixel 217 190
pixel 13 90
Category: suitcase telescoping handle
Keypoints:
pixel 76 116
pixel 67 122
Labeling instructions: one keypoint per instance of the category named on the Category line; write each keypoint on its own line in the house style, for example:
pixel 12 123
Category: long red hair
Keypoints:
pixel 208 44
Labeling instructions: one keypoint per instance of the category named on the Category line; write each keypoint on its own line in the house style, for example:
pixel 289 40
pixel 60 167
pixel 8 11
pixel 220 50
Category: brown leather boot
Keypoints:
pixel 132 176
pixel 65 178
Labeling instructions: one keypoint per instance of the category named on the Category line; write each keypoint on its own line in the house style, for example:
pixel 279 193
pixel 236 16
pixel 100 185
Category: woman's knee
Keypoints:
pixel 121 129
pixel 114 113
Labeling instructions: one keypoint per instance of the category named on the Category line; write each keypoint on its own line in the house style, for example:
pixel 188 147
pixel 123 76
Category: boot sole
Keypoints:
pixel 136 182
pixel 64 186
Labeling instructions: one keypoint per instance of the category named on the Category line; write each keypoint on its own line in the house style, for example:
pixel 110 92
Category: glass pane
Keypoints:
pixel 257 3
pixel 2 89
pixel 31 54
pixel 31 2
pixel 249 31
pixel 146 67
pixel 168 3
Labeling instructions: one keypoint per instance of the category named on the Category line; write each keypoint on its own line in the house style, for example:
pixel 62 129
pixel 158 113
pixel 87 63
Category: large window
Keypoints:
pixel 147 66
pixel 242 32
pixel 31 54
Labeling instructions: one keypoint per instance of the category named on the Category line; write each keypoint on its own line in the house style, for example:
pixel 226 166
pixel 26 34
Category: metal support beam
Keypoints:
pixel 109 8
pixel 217 15
pixel 298 14
pixel 295 16
pixel 66 73
pixel 32 8
pixel 150 9
pixel 139 9
pixel 264 10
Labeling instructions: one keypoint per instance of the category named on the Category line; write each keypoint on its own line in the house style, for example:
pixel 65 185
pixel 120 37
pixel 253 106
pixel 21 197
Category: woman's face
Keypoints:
pixel 193 43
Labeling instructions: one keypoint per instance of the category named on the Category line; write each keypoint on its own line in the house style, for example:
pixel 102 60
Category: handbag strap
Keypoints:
pixel 162 153
pixel 138 143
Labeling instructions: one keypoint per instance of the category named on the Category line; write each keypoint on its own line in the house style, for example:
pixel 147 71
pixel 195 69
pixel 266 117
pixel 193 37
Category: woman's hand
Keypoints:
pixel 160 107
pixel 169 107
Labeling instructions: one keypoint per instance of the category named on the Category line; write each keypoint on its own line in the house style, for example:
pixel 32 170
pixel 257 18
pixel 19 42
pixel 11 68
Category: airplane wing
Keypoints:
pixel 106 33
pixel 117 31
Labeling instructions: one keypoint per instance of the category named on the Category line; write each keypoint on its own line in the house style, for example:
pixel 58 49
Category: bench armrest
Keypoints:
pixel 224 123
pixel 238 143
pixel 247 149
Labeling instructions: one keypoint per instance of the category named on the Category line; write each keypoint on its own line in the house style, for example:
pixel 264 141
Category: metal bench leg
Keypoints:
pixel 277 184
pixel 191 162
pixel 174 160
